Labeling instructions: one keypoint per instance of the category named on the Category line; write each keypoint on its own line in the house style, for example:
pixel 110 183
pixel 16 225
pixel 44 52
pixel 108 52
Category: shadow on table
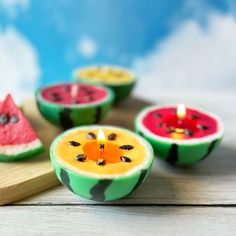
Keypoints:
pixel 157 189
pixel 168 185
pixel 221 162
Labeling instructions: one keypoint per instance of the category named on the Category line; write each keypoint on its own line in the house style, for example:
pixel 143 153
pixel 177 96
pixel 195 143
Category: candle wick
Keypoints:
pixel 74 90
pixel 101 148
pixel 180 121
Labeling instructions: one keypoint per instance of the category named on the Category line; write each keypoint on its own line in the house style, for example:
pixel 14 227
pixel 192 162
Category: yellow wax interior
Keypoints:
pixel 105 74
pixel 67 153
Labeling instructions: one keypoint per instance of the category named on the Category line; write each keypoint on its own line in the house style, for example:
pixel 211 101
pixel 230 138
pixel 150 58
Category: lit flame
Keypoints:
pixel 181 111
pixel 101 137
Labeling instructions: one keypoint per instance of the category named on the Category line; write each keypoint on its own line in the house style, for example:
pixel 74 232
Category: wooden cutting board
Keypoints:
pixel 19 180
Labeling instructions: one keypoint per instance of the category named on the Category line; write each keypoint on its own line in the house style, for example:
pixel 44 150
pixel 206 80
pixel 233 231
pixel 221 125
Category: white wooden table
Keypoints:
pixel 198 200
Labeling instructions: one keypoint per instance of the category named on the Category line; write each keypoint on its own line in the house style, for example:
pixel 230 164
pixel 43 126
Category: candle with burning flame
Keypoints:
pixel 180 135
pixel 101 140
pixel 181 111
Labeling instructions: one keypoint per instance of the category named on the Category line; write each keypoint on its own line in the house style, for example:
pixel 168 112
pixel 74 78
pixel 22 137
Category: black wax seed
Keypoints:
pixel 88 92
pixel 157 115
pixel 188 132
pixel 55 94
pixel 102 146
pixel 194 116
pixel 14 119
pixel 4 119
pixel 202 127
pixel 100 162
pixel 91 135
pixel 75 101
pixel 171 129
pixel 161 124
pixel 125 159
pixel 112 136
pixel 65 88
pixel 81 157
pixel 126 147
pixel 74 143
pixel 57 99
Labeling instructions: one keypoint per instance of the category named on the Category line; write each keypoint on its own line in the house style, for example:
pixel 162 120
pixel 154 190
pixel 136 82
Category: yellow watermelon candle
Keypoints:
pixel 101 162
pixel 120 80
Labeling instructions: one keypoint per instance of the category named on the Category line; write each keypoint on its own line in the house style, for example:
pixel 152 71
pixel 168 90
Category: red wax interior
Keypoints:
pixel 161 121
pixel 61 94
pixel 14 133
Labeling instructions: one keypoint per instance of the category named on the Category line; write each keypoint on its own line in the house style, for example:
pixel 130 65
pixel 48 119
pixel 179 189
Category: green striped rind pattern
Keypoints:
pixel 179 153
pixel 22 155
pixel 74 115
pixel 97 188
pixel 121 90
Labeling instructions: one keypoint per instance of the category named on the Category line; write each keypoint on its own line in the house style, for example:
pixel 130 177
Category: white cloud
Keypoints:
pixel 19 67
pixel 12 7
pixel 87 47
pixel 193 57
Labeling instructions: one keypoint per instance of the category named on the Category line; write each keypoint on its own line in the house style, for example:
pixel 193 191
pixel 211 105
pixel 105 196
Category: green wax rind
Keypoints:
pixel 22 155
pixel 180 152
pixel 122 91
pixel 100 188
pixel 68 116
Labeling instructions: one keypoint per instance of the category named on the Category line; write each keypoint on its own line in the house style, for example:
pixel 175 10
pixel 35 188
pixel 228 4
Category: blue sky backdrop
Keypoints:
pixel 169 43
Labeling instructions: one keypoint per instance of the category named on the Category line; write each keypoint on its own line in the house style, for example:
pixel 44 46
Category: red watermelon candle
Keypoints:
pixel 72 104
pixel 180 135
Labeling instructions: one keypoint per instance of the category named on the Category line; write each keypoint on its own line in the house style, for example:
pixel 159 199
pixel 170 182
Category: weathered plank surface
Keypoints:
pixel 210 182
pixel 116 220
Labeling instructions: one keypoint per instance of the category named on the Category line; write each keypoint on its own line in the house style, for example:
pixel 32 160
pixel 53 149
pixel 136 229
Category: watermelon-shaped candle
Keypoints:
pixel 120 80
pixel 101 162
pixel 18 140
pixel 72 104
pixel 178 135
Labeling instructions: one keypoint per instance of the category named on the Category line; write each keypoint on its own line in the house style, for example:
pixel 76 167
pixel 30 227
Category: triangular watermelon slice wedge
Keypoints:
pixel 18 140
